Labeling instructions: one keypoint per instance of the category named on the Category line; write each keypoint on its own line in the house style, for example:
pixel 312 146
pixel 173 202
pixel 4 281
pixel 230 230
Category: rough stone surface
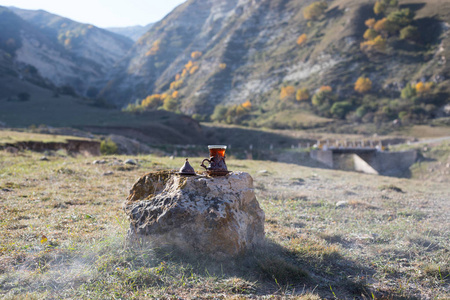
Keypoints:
pixel 219 216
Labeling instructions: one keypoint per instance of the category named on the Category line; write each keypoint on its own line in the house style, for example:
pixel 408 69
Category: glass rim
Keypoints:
pixel 217 147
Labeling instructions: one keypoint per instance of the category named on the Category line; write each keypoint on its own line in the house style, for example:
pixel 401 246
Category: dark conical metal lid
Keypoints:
pixel 187 168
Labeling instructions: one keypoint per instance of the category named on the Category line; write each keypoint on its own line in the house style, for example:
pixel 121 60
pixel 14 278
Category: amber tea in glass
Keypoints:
pixel 217 150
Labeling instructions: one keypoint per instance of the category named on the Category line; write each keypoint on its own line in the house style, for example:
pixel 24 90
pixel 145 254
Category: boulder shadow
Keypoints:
pixel 278 270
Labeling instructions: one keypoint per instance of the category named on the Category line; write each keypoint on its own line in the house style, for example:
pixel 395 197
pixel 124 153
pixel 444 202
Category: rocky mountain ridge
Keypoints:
pixel 258 62
pixel 65 52
pixel 250 50
pixel 132 32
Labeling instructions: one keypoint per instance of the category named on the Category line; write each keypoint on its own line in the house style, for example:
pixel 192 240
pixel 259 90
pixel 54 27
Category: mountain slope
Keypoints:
pixel 249 51
pixel 84 56
pixel 30 53
pixel 132 32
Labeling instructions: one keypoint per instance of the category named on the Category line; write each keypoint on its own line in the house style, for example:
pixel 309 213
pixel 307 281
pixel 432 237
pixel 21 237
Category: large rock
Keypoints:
pixel 218 216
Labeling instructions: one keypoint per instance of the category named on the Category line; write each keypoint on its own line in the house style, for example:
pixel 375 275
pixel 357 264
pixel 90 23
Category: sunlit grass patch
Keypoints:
pixel 388 243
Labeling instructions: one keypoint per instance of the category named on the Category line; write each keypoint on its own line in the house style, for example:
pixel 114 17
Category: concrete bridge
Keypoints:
pixel 365 159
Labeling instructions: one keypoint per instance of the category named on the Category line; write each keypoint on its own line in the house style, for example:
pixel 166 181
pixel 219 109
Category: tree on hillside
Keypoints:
pixel 302 94
pixel 170 104
pixel 152 101
pixel 189 65
pixel 340 109
pixel 314 10
pixel 400 18
pixel 193 69
pixel 196 54
pixel 287 91
pixel 385 27
pixel 219 113
pixel 301 39
pixel 423 88
pixel 379 8
pixel 409 33
pixel 247 105
pixel 154 48
pixel 325 88
pixel 408 92
pixel 175 85
pixel 323 99
pixel 370 34
pixel 377 44
pixel 370 22
pixel 363 85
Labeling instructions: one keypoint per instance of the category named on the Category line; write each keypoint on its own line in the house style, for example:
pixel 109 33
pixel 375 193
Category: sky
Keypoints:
pixel 103 13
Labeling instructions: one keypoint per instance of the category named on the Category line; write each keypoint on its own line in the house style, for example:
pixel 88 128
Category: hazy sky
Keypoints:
pixel 103 13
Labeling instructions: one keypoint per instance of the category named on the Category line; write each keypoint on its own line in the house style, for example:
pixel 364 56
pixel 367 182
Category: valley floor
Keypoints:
pixel 330 234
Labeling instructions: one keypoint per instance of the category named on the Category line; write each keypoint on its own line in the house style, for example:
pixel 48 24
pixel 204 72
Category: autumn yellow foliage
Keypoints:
pixel 325 88
pixel 379 7
pixel 193 69
pixel 154 49
pixel 381 25
pixel 370 34
pixel 196 54
pixel 302 94
pixel 222 66
pixel 314 10
pixel 184 73
pixel 175 85
pixel 177 77
pixel 301 39
pixel 423 88
pixel 287 91
pixel 378 44
pixel 189 65
pixel 152 101
pixel 175 94
pixel 370 22
pixel 247 104
pixel 363 85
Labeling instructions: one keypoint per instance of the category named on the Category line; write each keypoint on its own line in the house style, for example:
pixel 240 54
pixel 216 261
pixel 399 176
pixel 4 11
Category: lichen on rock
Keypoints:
pixel 219 216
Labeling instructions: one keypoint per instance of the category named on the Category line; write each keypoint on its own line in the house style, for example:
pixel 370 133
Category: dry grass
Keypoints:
pixel 63 235
pixel 12 137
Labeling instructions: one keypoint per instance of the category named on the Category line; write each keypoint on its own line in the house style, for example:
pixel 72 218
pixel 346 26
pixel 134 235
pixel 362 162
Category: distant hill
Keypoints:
pixel 209 54
pixel 132 32
pixel 44 107
pixel 61 50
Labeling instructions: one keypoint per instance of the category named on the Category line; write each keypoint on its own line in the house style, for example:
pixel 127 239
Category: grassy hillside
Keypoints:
pixel 250 63
pixel 44 107
pixel 11 137
pixel 330 234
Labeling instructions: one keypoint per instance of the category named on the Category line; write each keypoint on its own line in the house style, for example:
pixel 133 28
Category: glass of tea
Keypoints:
pixel 217 150
pixel 216 159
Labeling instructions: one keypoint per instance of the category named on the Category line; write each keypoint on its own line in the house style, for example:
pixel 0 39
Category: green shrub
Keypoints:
pixel 400 18
pixel 408 92
pixel 315 10
pixel 219 113
pixel 409 33
pixel 340 109
pixel 170 104
pixel 108 147
pixel 362 111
